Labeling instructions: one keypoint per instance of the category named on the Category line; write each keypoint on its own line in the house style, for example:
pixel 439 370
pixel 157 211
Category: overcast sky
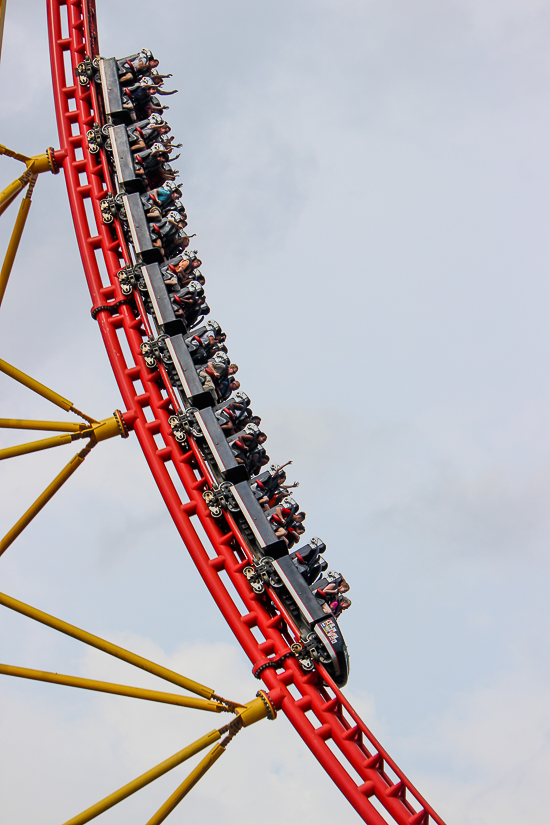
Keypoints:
pixel 368 182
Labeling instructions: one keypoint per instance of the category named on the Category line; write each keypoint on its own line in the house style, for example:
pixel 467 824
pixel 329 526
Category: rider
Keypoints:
pixel 133 67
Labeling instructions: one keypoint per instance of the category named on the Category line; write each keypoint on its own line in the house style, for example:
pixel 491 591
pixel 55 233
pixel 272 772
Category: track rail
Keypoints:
pixel 333 731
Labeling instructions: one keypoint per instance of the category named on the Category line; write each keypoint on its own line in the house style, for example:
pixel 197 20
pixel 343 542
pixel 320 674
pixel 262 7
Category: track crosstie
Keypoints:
pixel 339 739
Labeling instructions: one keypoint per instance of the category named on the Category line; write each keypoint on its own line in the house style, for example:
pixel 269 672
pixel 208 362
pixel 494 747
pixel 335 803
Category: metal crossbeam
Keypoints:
pixel 95 431
pixel 110 687
pixel 116 651
pixel 31 424
pixel 43 390
pixel 188 783
pixel 43 499
pixel 146 778
pixel 3 4
pixel 108 428
pixel 100 431
pixel 15 239
pixel 35 446
pixel 259 708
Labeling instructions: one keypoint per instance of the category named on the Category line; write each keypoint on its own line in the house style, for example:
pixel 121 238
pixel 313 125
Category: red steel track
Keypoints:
pixel 325 720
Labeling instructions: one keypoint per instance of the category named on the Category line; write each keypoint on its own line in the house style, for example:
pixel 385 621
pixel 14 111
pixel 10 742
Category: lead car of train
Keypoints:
pixel 272 569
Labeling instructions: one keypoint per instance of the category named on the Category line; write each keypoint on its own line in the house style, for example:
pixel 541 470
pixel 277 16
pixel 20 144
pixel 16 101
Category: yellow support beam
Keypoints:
pixel 15 155
pixel 41 389
pixel 146 778
pixel 16 238
pixel 35 446
pixel 188 783
pixel 110 648
pixel 108 428
pixel 110 687
pixel 9 194
pixel 54 426
pixel 3 4
pixel 36 386
pixel 43 499
pixel 253 711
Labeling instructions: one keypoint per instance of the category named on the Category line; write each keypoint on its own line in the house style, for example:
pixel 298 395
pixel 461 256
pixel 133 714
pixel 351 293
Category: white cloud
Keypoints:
pixel 498 741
